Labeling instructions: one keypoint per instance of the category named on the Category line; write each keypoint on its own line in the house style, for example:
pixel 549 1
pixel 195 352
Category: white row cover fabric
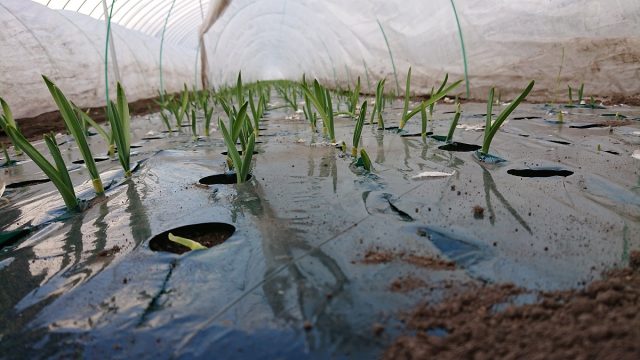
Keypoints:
pixel 146 16
pixel 69 48
pixel 507 43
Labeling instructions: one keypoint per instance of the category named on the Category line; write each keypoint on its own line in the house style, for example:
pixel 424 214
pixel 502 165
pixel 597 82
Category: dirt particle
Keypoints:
pixel 109 252
pixel 478 212
pixel 307 325
pixel 405 284
pixel 378 329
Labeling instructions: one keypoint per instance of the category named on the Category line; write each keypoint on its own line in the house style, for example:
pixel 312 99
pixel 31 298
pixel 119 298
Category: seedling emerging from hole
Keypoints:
pixel 58 173
pixel 442 92
pixel 407 93
pixel 180 109
pixel 379 105
pixel 192 245
pixel 454 123
pixel 208 114
pixel 74 125
pixel 357 133
pixel 309 114
pixel 242 165
pixel 256 111
pixel 560 116
pixel 7 158
pixel 120 120
pixel 353 98
pixel 580 94
pixel 570 95
pixel 366 161
pixel 491 128
pixel 321 99
pixel 194 127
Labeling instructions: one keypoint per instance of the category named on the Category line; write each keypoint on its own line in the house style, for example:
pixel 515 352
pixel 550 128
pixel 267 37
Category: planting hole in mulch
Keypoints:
pixel 206 234
pixel 152 138
pixel 98 159
pixel 526 117
pixel 26 183
pixel 416 134
pixel 459 147
pixel 560 142
pixel 225 153
pixel 539 172
pixel 228 178
pixel 587 126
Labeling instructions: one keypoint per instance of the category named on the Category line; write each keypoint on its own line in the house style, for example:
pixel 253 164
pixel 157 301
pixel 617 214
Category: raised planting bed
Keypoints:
pixel 326 256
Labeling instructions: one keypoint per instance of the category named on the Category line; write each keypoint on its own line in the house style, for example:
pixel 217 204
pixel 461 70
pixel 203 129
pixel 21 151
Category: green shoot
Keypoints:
pixel 492 128
pixel 321 99
pixel 309 114
pixel 239 93
pixel 194 127
pixel 165 121
pixel 8 117
pixel 423 115
pixel 580 93
pixel 442 92
pixel 103 133
pixel 208 114
pixel 407 91
pixel 454 123
pixel 379 105
pixel 58 174
pixel 570 95
pixel 444 83
pixel 256 111
pixel 76 129
pixel 7 158
pixel 354 97
pixel 242 165
pixel 120 120
pixel 366 161
pixel 357 133
pixel 192 245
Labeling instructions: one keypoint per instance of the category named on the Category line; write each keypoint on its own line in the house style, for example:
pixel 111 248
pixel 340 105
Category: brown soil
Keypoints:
pixel 429 262
pixel 601 321
pixel 615 123
pixel 377 257
pixel 407 284
pixel 33 128
pixel 373 257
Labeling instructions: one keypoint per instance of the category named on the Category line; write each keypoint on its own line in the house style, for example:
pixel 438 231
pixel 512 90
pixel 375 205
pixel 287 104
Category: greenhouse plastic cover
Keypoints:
pixel 507 43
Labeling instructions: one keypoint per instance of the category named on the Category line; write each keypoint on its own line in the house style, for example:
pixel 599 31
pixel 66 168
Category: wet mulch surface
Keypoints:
pixel 600 321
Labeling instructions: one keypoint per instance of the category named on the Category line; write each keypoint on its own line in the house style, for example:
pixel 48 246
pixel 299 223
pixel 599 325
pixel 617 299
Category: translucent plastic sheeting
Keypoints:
pixel 507 43
pixel 69 48
pixel 146 16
